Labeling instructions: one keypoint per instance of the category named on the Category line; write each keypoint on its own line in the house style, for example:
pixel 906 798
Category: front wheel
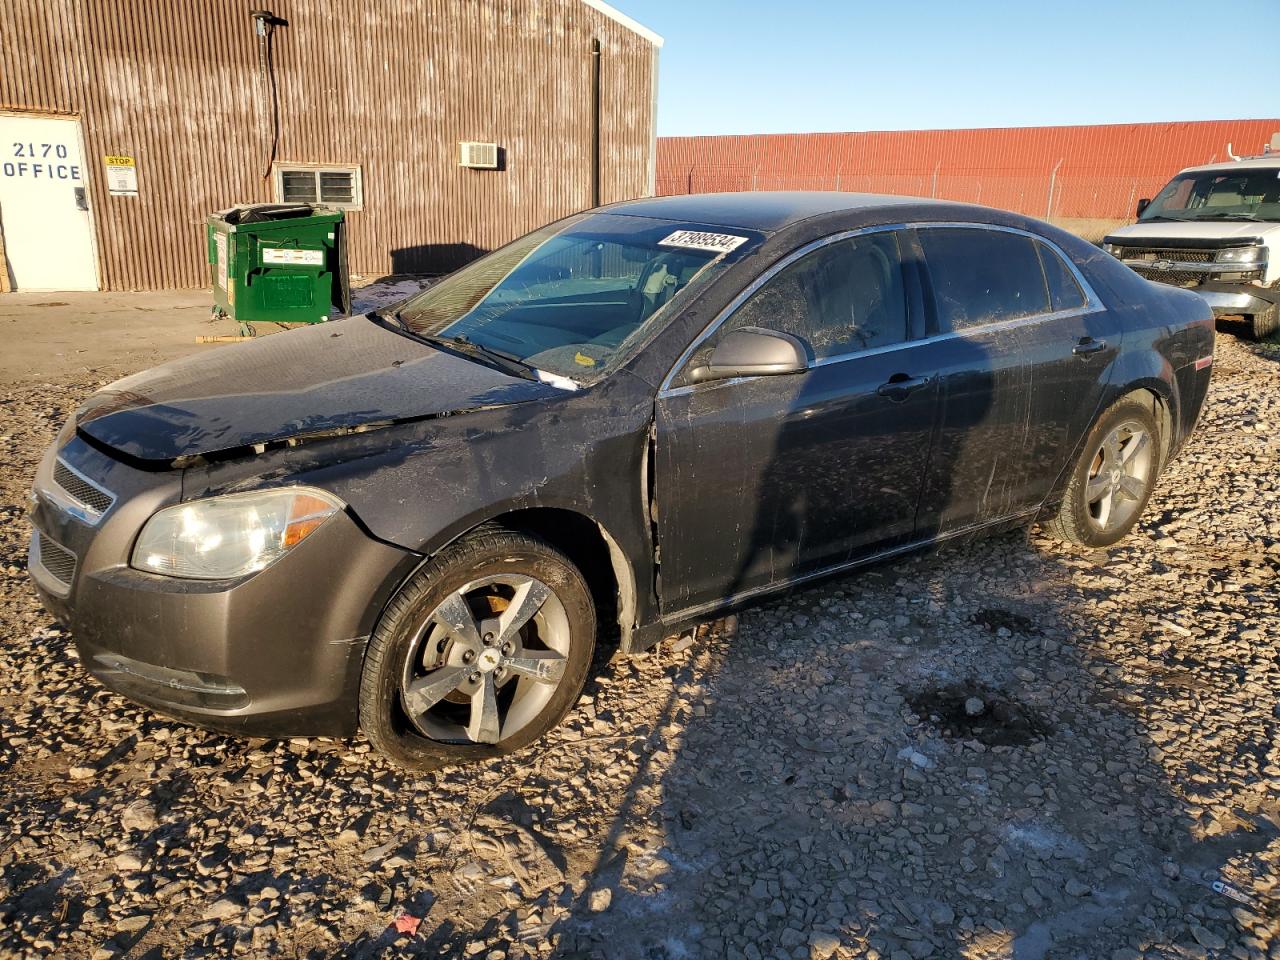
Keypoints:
pixel 1265 323
pixel 481 652
pixel 1113 478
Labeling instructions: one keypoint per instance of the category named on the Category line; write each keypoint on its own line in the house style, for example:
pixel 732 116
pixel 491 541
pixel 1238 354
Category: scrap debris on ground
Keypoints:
pixel 1007 749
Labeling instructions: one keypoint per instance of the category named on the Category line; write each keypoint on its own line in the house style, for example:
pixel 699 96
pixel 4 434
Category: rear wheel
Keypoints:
pixel 1113 478
pixel 482 651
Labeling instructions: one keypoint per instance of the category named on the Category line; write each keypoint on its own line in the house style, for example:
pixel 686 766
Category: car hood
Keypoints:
pixel 1242 230
pixel 334 378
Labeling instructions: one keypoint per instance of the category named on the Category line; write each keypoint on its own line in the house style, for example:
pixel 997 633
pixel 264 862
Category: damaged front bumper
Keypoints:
pixel 1237 299
pixel 277 653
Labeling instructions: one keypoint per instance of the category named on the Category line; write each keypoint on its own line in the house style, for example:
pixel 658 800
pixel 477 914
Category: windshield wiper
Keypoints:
pixel 395 319
pixel 506 362
pixel 1234 216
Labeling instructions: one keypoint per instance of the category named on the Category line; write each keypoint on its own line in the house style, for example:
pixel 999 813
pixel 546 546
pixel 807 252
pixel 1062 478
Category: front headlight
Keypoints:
pixel 1114 249
pixel 233 535
pixel 1242 255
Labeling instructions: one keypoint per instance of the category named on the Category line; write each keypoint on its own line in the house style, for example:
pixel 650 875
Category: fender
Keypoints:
pixel 1143 369
pixel 630 600
pixel 421 486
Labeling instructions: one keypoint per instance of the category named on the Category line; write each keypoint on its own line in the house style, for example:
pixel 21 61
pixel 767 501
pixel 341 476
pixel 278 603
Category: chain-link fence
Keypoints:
pixel 1087 202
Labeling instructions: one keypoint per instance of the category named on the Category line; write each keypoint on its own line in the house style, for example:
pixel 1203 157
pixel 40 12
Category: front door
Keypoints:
pixel 761 480
pixel 44 209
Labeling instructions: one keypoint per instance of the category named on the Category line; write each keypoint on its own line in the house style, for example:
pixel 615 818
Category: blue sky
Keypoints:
pixel 775 66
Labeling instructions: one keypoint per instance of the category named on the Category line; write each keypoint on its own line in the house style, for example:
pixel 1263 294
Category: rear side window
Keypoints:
pixel 983 276
pixel 842 298
pixel 1064 291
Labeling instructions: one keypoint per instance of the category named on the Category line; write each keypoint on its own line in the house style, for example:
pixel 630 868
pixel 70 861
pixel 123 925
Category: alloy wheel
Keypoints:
pixel 486 661
pixel 1119 476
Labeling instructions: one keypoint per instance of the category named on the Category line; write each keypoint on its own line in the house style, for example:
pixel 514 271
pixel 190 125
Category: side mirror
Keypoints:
pixel 1143 204
pixel 754 352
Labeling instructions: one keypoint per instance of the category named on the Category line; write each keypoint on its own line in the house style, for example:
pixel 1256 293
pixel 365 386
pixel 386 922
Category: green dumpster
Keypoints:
pixel 278 263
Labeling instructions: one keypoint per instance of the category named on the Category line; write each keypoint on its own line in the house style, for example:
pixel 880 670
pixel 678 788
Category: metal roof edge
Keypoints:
pixel 619 17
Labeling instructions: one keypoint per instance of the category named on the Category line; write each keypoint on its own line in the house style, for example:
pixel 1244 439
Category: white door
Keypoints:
pixel 44 206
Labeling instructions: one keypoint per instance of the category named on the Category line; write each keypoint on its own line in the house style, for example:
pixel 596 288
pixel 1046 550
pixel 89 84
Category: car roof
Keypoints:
pixel 1229 166
pixel 766 211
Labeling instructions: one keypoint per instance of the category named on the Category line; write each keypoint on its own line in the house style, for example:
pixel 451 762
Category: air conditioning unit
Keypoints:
pixel 478 156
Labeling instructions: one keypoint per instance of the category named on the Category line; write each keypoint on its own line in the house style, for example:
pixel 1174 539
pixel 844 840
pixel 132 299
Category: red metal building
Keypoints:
pixel 1086 178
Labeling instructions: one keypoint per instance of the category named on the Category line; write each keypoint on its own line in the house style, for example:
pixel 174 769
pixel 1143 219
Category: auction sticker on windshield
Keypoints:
pixel 700 240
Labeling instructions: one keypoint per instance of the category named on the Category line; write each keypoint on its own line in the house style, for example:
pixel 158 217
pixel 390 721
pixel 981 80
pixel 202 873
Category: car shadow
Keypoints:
pixel 838 787
pixel 958 753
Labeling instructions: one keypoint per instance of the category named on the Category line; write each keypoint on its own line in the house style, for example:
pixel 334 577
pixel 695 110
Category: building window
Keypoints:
pixel 307 183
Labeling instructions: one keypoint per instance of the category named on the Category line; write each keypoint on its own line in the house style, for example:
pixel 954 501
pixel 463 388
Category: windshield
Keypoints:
pixel 1225 195
pixel 571 298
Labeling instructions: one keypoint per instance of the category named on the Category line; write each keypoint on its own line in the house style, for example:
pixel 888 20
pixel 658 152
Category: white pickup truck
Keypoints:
pixel 1215 230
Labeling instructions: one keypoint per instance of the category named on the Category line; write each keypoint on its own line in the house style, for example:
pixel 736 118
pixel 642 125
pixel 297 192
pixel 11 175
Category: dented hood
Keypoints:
pixel 329 379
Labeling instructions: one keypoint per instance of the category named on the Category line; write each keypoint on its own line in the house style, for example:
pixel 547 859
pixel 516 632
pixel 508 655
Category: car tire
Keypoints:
pixel 421 645
pixel 1113 477
pixel 1266 323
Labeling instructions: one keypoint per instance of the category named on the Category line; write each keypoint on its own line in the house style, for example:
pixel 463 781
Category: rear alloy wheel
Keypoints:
pixel 1119 477
pixel 1112 480
pixel 482 651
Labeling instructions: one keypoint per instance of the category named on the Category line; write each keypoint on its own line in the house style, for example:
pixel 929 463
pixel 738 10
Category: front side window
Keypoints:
pixel 842 298
pixel 571 298
pixel 983 276
pixel 1247 194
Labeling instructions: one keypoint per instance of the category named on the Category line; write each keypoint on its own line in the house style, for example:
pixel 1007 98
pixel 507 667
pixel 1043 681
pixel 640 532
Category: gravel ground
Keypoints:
pixel 1005 749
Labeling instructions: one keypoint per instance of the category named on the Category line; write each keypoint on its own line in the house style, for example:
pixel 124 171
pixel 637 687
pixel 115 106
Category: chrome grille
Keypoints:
pixel 1176 254
pixel 97 500
pixel 56 559
pixel 1176 278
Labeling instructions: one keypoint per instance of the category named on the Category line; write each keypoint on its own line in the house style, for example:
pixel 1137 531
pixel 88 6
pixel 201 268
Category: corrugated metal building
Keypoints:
pixel 1085 177
pixel 176 104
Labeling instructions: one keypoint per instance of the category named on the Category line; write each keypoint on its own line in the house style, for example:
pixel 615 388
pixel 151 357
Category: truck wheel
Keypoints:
pixel 1113 478
pixel 482 651
pixel 1266 323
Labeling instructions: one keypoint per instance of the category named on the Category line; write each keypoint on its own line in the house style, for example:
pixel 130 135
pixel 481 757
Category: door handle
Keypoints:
pixel 900 384
pixel 82 201
pixel 1088 345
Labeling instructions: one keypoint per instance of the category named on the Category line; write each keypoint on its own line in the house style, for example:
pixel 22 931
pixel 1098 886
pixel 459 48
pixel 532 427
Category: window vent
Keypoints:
pixel 331 186
pixel 478 156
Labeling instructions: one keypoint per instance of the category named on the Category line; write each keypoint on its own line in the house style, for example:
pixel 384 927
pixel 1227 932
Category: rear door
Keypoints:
pixel 1022 356
pixel 986 284
pixel 1071 353
pixel 760 480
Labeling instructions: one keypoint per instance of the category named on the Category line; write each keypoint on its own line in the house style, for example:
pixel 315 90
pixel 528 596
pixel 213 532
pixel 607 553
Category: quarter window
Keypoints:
pixel 841 298
pixel 983 276
pixel 1064 291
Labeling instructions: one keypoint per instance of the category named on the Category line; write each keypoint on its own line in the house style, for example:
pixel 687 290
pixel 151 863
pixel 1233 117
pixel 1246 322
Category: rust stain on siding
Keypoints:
pixel 391 87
